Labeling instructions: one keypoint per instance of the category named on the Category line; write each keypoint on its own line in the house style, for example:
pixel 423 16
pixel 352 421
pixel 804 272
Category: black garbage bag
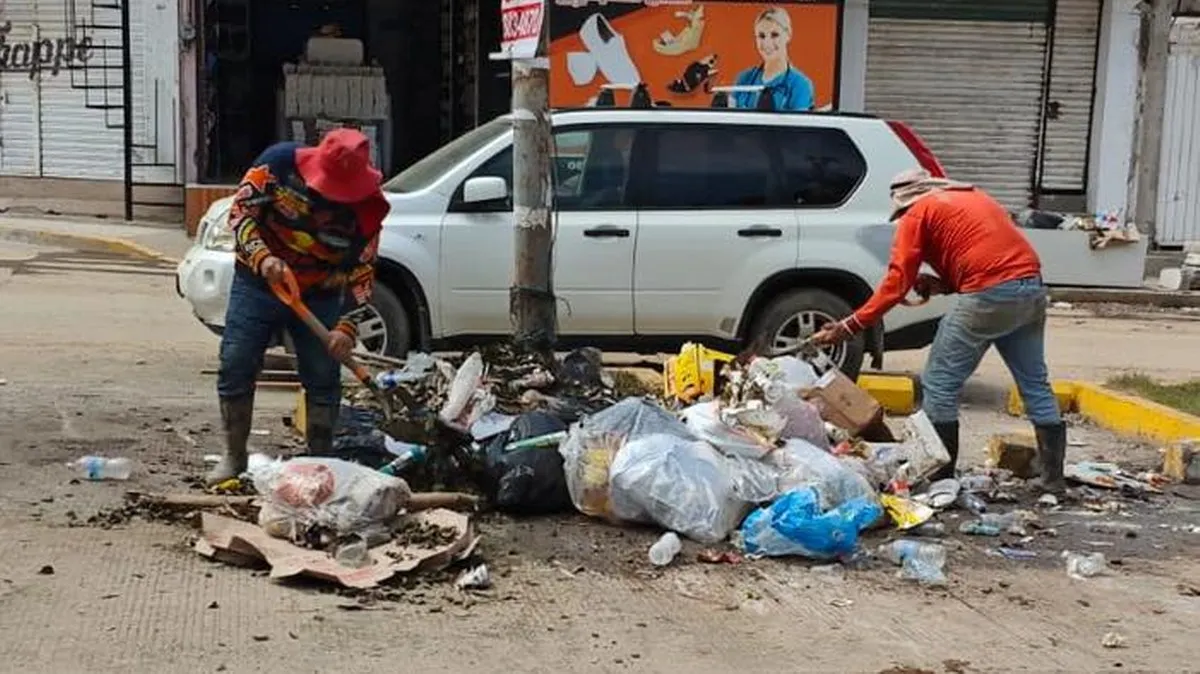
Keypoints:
pixel 357 438
pixel 528 481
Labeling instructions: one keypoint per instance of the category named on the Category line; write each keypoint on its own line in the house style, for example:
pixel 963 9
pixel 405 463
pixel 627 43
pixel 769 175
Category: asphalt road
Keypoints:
pixel 98 355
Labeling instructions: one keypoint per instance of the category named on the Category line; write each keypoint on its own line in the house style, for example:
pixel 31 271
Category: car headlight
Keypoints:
pixel 217 233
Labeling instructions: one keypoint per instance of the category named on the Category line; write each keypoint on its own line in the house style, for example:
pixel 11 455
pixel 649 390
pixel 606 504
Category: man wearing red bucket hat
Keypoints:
pixel 318 211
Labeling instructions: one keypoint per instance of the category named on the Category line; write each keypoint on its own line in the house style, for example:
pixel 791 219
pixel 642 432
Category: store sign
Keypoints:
pixel 521 27
pixel 42 55
pixel 684 51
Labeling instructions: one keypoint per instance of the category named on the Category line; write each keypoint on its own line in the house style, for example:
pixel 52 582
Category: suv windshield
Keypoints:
pixel 423 173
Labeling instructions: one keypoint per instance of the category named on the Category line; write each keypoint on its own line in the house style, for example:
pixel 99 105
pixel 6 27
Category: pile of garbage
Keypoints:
pixel 782 455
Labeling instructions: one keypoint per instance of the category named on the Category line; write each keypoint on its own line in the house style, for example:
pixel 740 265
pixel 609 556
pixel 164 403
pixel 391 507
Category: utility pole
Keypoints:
pixel 532 305
pixel 1156 38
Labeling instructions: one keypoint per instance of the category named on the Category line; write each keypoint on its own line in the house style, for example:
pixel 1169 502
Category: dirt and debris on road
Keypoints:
pixel 568 591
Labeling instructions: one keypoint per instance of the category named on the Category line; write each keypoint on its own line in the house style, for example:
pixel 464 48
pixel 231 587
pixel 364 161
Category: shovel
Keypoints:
pixel 288 292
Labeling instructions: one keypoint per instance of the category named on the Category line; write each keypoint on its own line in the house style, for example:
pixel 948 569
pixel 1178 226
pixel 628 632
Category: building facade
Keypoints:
pixel 66 93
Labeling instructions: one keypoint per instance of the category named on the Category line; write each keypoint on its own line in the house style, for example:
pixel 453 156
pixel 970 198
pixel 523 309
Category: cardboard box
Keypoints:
pixel 844 404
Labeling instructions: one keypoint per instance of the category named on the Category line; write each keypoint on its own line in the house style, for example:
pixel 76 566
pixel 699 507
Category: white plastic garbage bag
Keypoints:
pixel 593 442
pixel 802 464
pixel 331 495
pixel 468 399
pixel 679 484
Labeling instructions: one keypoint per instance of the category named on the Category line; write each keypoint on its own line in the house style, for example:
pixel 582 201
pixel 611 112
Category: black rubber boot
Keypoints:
pixel 237 414
pixel 948 432
pixel 319 429
pixel 1052 452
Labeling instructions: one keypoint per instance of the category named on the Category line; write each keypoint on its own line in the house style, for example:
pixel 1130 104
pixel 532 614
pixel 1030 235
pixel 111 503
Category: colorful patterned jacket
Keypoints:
pixel 329 246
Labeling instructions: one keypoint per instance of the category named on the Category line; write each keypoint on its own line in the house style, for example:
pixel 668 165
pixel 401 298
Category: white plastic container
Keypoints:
pixel 665 549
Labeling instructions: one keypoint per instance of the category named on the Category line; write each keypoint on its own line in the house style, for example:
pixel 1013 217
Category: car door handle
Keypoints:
pixel 760 230
pixel 606 232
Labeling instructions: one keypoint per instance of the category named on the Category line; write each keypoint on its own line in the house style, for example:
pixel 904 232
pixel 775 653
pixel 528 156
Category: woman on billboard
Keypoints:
pixel 790 88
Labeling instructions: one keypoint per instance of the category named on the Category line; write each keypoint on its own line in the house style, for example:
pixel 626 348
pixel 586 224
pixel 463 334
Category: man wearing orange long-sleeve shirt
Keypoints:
pixel 977 251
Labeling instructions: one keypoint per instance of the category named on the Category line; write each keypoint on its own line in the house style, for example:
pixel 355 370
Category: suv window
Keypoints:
pixel 713 167
pixel 821 167
pixel 591 169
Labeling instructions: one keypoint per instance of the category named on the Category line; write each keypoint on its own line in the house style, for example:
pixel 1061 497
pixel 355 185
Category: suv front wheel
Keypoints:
pixel 797 314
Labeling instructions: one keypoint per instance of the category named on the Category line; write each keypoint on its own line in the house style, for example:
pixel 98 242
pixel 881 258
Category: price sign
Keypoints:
pixel 521 23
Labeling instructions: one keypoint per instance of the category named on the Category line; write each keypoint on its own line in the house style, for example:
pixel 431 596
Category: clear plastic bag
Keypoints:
pixel 683 485
pixel 469 399
pixel 330 495
pixel 796 524
pixel 802 464
pixel 592 443
pixel 780 381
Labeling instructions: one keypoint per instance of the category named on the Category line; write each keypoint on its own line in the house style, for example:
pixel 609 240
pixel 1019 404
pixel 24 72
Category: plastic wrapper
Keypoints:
pixel 779 382
pixel 796 524
pixel 327 495
pixel 704 419
pixel 468 399
pixel 680 484
pixel 593 442
pixel 801 464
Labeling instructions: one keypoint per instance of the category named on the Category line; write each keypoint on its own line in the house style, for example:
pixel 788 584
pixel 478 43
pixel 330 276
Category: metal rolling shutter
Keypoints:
pixel 18 98
pixel 969 77
pixel 1069 105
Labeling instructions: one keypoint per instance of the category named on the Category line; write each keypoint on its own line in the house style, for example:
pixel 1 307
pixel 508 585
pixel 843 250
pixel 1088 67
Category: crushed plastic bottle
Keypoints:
pixel 353 553
pixel 1085 566
pixel 100 468
pixel 971 502
pixel 918 560
pixel 665 549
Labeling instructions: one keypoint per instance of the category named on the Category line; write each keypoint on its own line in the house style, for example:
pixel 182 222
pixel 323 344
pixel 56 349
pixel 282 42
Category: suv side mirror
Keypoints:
pixel 485 189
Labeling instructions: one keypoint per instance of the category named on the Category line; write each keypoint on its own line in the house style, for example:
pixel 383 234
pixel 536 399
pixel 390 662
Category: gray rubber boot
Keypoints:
pixel 1052 453
pixel 236 416
pixel 319 430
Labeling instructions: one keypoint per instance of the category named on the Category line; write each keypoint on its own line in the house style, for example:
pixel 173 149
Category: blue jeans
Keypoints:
pixel 1011 315
pixel 254 315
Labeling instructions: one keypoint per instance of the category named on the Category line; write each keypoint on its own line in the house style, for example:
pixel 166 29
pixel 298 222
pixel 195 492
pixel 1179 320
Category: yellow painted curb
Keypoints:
pixel 108 244
pixel 1064 391
pixel 896 393
pixel 300 416
pixel 1125 414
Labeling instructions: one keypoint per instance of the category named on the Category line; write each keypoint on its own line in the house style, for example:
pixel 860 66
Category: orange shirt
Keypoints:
pixel 965 235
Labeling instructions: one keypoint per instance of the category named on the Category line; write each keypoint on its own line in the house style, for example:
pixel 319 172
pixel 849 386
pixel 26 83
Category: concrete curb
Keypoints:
pixel 1135 296
pixel 1124 414
pixel 107 244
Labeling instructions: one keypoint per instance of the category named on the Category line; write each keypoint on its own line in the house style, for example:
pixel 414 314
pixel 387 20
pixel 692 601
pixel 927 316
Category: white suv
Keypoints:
pixel 726 226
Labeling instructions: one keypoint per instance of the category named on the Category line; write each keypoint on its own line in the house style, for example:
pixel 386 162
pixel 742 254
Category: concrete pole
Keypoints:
pixel 1156 37
pixel 532 305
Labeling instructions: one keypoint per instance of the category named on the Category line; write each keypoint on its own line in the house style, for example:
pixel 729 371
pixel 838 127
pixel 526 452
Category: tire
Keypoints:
pixel 395 319
pixel 823 306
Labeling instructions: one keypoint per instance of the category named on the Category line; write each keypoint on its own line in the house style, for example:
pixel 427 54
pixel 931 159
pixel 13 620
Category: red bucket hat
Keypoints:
pixel 340 167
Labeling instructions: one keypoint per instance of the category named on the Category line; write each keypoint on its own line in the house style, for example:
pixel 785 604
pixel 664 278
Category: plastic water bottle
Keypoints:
pixel 410 455
pixel 100 468
pixel 919 561
pixel 664 549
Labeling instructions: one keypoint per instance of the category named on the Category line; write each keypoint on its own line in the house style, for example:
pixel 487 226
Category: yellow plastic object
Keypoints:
pixel 693 373
pixel 904 512
pixel 230 485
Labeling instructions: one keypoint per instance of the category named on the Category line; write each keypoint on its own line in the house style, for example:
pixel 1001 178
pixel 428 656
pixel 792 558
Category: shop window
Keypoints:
pixel 712 167
pixel 821 167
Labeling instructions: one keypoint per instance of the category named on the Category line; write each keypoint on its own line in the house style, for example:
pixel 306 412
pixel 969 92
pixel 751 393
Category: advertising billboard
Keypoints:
pixel 681 49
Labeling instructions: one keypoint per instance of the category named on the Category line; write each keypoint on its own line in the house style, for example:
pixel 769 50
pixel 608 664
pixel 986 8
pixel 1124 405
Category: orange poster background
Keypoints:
pixel 728 32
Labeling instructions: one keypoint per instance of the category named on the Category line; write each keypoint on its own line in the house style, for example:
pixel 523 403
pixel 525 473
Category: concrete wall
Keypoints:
pixel 1115 112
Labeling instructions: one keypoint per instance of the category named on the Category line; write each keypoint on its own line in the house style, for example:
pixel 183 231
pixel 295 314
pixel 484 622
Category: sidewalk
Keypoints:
pixel 167 243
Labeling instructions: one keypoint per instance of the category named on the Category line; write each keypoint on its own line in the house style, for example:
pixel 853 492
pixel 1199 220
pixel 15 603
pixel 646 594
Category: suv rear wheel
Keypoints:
pixel 797 314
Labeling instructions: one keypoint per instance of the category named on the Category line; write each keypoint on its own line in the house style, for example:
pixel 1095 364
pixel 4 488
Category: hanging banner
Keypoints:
pixel 681 49
pixel 521 27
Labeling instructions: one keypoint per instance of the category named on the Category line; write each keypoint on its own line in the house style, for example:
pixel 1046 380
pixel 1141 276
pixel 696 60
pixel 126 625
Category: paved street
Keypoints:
pixel 98 355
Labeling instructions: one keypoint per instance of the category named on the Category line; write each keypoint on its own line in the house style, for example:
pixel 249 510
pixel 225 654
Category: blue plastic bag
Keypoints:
pixel 795 525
